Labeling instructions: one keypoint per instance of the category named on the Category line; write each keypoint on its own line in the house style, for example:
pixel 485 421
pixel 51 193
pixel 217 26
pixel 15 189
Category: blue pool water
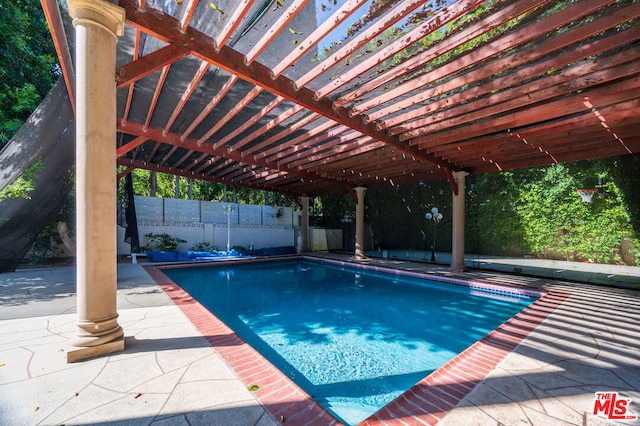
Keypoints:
pixel 352 339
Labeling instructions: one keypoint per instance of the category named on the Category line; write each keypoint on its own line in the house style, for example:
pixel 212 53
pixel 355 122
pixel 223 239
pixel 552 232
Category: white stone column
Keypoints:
pixel 304 226
pixel 97 24
pixel 457 243
pixel 360 222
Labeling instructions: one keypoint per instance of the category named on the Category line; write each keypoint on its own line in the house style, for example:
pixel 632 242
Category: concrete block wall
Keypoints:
pixel 216 223
pixel 153 210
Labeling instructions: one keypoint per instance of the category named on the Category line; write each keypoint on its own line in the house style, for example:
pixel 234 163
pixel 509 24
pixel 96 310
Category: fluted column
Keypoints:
pixel 304 226
pixel 97 24
pixel 457 243
pixel 359 253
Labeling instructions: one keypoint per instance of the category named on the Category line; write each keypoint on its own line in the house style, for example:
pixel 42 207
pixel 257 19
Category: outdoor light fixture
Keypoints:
pixel 436 216
pixel 229 210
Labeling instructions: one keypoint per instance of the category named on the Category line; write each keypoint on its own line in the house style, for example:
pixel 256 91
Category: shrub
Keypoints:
pixel 162 242
pixel 203 246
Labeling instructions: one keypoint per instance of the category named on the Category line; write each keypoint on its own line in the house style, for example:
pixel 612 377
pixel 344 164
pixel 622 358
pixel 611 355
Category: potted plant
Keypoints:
pixel 163 246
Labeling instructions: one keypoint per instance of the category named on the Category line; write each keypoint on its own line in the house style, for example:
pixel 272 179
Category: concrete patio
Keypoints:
pixel 170 374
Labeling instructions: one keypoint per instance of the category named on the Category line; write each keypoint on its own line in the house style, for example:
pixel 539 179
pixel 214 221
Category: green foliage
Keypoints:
pixel 624 172
pixel 28 65
pixel 203 246
pixel 48 244
pixel 538 212
pixel 200 190
pixel 333 209
pixel 24 184
pixel 535 212
pixel 162 242
pixel 557 222
pixel 492 224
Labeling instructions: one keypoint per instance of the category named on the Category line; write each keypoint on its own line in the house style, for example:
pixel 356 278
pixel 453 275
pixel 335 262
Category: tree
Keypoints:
pixel 28 67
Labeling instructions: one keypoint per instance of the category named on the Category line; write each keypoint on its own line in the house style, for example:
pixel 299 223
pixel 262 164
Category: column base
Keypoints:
pixel 76 353
pixel 459 268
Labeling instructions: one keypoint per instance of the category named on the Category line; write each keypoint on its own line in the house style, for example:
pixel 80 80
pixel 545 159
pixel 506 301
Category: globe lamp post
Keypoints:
pixel 436 216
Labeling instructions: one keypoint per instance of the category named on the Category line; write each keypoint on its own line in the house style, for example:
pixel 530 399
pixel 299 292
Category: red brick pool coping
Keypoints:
pixel 423 404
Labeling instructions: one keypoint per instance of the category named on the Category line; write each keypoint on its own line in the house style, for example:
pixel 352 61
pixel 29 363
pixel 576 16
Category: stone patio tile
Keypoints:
pixel 587 374
pixel 518 361
pixel 206 395
pixel 461 415
pixel 132 317
pixel 16 362
pixel 131 409
pixel 549 378
pixel 89 399
pixel 208 368
pixel 164 383
pixel 170 360
pixel 124 375
pixel 173 324
pixel 48 357
pixel 149 319
pixel 571 346
pixel 509 387
pixel 266 420
pixel 236 415
pixel 175 420
pixel 165 322
pixel 148 312
pixel 536 417
pixel 620 355
pixel 31 402
pixel 64 325
pixel 559 409
pixel 542 349
pixel 15 333
pixel 511 414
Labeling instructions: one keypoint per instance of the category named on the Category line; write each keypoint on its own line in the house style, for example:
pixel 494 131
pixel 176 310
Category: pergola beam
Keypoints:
pixel 190 174
pixel 148 64
pixel 188 143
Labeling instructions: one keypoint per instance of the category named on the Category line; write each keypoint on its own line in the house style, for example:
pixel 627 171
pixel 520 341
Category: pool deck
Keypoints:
pixel 178 368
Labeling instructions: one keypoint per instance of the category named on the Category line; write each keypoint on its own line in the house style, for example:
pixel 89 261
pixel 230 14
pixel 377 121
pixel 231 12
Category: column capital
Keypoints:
pixel 460 174
pixel 101 12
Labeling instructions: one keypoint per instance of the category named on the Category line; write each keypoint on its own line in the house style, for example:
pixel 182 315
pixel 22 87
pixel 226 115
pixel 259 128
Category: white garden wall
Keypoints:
pixel 216 223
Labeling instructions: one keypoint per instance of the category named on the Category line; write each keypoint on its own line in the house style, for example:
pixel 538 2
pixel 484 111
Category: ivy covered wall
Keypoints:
pixel 533 212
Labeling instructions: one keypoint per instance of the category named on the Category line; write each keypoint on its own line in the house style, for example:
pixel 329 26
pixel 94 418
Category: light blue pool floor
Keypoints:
pixel 168 374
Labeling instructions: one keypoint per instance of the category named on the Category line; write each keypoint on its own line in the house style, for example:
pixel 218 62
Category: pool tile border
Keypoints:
pixel 501 288
pixel 424 404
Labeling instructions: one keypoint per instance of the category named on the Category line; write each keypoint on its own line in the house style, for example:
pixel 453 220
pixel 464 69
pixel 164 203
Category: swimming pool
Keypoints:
pixel 353 339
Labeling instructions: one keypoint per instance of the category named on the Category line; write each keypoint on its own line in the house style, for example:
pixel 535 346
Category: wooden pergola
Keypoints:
pixel 326 96
pixel 316 97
